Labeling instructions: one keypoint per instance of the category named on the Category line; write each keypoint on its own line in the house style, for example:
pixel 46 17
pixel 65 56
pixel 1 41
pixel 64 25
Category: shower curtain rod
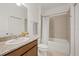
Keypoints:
pixel 56 14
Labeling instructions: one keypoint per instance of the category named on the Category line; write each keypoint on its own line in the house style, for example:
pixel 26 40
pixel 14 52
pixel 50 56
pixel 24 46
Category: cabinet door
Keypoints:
pixel 22 50
pixel 32 52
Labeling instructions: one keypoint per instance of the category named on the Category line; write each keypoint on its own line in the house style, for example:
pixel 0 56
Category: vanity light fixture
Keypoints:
pixel 18 4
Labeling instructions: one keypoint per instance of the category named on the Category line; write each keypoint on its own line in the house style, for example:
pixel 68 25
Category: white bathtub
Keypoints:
pixel 59 45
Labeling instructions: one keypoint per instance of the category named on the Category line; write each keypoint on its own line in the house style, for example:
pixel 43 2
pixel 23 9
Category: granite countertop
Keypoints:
pixel 4 48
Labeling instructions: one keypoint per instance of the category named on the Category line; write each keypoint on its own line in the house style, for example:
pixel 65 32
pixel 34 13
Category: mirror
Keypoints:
pixel 13 19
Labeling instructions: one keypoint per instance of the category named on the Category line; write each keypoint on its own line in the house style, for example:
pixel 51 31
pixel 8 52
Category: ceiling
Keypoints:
pixel 47 6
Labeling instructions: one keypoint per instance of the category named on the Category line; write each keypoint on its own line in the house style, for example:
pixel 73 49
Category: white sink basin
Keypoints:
pixel 17 41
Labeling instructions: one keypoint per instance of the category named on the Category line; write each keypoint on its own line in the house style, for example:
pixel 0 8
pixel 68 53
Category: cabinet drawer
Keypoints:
pixel 22 50
pixel 32 52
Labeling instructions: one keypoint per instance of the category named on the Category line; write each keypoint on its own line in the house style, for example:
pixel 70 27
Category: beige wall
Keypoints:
pixel 68 26
pixel 59 26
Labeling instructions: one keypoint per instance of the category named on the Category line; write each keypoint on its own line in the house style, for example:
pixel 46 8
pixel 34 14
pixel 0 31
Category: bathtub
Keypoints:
pixel 61 45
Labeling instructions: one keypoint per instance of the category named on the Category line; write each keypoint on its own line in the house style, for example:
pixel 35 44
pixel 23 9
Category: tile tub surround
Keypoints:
pixel 4 49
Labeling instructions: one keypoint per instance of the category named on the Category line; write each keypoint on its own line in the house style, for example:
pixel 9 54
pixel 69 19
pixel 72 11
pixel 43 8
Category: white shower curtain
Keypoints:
pixel 45 29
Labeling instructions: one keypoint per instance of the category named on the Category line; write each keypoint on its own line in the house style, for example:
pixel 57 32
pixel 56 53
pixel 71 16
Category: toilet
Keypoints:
pixel 42 49
pixel 42 45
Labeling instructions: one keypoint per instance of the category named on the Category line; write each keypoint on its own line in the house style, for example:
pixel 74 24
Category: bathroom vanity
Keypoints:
pixel 28 48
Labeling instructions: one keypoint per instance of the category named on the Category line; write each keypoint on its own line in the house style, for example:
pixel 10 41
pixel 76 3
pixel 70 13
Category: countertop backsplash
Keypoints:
pixel 7 37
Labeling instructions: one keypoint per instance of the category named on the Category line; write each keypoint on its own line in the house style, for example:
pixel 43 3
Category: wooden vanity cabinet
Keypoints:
pixel 31 52
pixel 29 49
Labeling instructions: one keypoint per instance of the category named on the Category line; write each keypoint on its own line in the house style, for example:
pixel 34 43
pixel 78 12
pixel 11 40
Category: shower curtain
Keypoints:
pixel 45 29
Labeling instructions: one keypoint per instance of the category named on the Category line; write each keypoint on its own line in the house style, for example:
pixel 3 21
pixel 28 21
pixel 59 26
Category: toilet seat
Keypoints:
pixel 42 46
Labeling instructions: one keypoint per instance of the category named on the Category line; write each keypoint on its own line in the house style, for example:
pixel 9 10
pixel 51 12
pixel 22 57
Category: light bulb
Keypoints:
pixel 18 4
